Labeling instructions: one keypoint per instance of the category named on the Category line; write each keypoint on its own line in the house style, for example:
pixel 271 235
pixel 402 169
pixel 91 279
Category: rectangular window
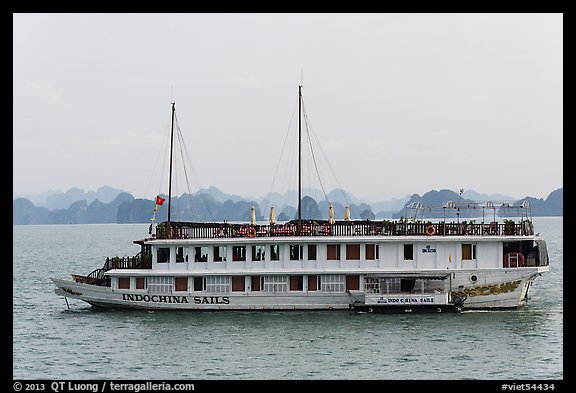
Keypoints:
pixel 296 283
pixel 353 252
pixel 255 283
pixel 163 254
pixel 123 282
pixel 353 283
pixel 274 252
pixel 372 285
pixel 296 252
pixel 201 254
pixel 332 283
pixel 199 284
pixel 372 251
pixel 140 282
pixel 333 252
pixel 390 285
pixel 407 284
pixel 179 254
pixel 219 253
pixel 311 252
pixel 238 283
pixel 238 253
pixel 258 253
pixel 468 251
pixel 313 283
pixel 408 252
pixel 181 284
pixel 275 283
pixel 218 284
pixel 160 284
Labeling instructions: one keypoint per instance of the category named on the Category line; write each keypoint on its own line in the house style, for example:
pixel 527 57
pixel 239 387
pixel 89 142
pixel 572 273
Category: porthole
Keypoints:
pixel 473 278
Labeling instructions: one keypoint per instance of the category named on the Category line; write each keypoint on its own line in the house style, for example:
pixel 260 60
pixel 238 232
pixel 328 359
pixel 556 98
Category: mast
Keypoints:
pixel 299 158
pixel 168 229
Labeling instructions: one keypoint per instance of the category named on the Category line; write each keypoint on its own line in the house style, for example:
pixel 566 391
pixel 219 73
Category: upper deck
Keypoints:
pixel 308 228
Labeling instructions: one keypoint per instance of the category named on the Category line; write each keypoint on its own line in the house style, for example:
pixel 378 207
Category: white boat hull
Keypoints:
pixel 492 289
pixel 106 297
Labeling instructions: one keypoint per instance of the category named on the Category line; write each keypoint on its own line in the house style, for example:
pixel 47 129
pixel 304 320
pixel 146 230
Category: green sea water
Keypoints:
pixel 50 341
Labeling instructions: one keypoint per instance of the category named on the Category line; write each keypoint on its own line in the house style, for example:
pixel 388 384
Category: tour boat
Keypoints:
pixel 397 266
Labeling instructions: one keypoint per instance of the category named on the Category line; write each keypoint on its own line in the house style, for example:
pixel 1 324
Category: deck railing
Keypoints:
pixel 135 262
pixel 184 230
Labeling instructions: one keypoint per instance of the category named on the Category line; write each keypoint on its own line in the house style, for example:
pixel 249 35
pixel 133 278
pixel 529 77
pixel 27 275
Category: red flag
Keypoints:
pixel 159 200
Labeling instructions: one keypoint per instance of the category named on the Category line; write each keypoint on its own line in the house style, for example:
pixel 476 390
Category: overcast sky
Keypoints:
pixel 398 103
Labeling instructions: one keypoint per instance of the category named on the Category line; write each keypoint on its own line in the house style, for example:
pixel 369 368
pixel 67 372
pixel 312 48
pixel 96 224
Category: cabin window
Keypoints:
pixel 332 283
pixel 311 252
pixel 275 283
pixel 256 283
pixel 353 252
pixel 160 284
pixel 372 252
pixel 372 285
pixel 313 283
pixel 162 254
pixel 407 284
pixel 353 283
pixel 296 252
pixel 238 253
pixel 408 252
pixel 274 252
pixel 199 284
pixel 201 254
pixel 542 256
pixel 218 284
pixel 390 285
pixel 333 252
pixel 403 285
pixel 147 256
pixel 181 284
pixel 238 283
pixel 258 253
pixel 147 250
pixel 140 282
pixel 468 251
pixel 296 283
pixel 219 253
pixel 180 254
pixel 123 282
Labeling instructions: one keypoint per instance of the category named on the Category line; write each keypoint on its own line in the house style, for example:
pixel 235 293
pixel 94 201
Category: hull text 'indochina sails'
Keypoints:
pixel 405 265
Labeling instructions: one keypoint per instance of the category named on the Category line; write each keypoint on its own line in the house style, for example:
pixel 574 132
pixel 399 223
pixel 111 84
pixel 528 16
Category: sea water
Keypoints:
pixel 52 341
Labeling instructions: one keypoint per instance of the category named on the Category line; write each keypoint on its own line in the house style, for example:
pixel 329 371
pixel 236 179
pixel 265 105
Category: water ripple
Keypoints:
pixel 51 341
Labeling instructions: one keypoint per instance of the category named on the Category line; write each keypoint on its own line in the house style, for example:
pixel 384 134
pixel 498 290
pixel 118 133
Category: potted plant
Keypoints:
pixel 509 227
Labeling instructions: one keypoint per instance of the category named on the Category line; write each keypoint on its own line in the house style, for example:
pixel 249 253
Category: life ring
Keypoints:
pixel 251 232
pixel 430 230
pixel 514 259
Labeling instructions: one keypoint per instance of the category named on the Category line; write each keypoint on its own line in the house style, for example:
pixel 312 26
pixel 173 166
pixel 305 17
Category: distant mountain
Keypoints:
pixel 62 200
pixel 79 212
pixel 553 205
pixel 213 205
pixel 38 199
pixel 24 212
pixel 476 196
pixel 430 199
pixel 387 208
pixel 218 195
pixel 468 208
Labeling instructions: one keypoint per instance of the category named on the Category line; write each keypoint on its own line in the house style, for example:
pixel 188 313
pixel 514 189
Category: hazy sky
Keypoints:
pixel 399 103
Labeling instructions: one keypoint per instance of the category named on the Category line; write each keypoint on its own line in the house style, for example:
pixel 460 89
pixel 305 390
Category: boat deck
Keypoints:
pixel 198 230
